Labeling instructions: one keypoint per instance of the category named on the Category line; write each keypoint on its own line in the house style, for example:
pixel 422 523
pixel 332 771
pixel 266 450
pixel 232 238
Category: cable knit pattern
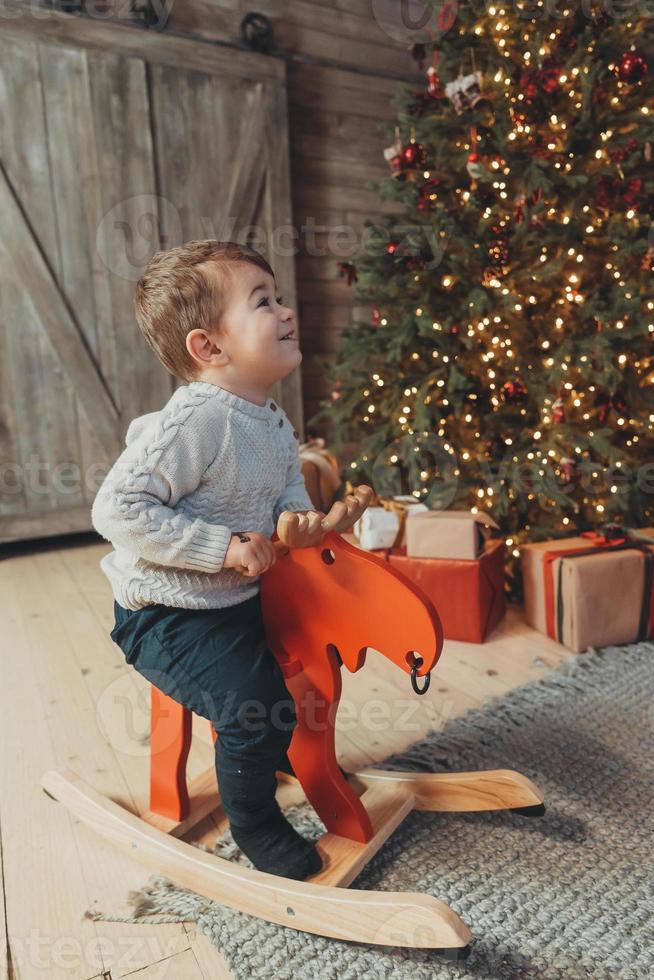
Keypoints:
pixel 208 464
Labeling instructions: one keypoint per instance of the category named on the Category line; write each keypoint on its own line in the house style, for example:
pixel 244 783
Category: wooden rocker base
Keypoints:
pixel 321 905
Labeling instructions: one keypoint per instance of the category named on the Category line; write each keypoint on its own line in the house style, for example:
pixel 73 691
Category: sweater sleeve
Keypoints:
pixel 295 495
pixel 135 506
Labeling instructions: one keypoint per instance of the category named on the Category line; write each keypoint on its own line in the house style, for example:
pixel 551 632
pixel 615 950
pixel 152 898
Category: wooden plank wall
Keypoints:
pixel 343 72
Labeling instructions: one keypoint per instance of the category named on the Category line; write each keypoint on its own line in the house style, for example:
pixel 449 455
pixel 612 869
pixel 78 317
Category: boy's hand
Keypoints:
pixel 304 529
pixel 301 528
pixel 250 553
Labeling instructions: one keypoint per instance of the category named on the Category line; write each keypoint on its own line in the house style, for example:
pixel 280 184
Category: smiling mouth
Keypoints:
pixel 289 336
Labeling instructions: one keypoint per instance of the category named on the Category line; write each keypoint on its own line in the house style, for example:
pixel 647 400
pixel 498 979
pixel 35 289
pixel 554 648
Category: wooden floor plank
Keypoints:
pixel 180 966
pixel 210 961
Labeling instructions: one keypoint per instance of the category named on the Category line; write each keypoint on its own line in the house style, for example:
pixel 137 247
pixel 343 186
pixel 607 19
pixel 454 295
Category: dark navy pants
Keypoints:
pixel 216 663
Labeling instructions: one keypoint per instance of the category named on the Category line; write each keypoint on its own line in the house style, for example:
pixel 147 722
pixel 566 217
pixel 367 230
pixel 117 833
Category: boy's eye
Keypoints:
pixel 264 300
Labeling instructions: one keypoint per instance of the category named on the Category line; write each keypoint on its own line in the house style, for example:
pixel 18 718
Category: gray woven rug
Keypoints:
pixel 568 895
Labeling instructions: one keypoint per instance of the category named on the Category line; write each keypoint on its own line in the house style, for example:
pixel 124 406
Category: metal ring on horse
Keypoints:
pixel 417 662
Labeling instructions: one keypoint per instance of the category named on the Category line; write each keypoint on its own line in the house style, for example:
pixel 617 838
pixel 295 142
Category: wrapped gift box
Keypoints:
pixel 385 527
pixel 468 595
pixel 448 534
pixel 585 594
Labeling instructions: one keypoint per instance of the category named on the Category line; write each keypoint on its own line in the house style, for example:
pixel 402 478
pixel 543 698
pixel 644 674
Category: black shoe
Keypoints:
pixel 277 848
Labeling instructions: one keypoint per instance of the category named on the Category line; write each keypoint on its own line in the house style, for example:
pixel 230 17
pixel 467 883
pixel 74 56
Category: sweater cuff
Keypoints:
pixel 207 548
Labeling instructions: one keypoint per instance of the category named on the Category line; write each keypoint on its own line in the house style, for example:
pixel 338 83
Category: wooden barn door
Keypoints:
pixel 114 142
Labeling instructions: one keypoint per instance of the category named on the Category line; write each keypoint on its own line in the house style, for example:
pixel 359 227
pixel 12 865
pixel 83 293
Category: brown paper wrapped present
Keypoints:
pixel 321 473
pixel 592 590
pixel 448 534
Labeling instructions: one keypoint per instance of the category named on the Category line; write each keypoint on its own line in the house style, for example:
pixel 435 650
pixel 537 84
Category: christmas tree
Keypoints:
pixel 506 362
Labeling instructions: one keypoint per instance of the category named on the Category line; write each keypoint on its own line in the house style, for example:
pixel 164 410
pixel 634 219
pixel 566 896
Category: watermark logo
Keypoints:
pixel 415 462
pixel 130 233
pixel 413 20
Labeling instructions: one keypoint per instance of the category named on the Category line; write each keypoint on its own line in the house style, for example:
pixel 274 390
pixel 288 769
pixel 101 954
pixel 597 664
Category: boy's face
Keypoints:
pixel 256 327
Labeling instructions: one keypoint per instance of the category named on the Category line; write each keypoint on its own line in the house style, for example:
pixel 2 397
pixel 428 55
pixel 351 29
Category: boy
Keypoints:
pixel 190 507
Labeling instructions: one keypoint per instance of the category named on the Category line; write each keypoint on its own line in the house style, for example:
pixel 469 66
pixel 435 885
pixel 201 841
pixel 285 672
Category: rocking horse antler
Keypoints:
pixel 305 530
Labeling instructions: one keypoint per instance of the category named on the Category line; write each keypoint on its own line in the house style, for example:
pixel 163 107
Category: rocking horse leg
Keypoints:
pixel 459 792
pixel 170 744
pixel 312 754
pixel 176 806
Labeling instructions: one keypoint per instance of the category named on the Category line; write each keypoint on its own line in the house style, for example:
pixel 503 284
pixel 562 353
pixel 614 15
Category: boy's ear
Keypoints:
pixel 206 350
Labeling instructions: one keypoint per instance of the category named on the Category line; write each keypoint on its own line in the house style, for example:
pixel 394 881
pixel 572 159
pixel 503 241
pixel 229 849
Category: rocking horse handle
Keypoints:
pixel 305 530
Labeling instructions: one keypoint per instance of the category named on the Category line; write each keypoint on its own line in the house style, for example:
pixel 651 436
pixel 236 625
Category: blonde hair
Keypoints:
pixel 176 295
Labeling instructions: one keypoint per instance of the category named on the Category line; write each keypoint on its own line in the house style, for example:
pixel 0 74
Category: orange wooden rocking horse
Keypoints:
pixel 323 600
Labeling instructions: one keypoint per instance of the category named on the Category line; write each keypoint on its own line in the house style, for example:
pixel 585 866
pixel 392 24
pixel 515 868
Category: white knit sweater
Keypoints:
pixel 208 464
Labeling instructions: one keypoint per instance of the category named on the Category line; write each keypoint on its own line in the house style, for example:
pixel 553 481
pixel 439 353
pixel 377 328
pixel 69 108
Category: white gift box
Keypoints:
pixel 378 527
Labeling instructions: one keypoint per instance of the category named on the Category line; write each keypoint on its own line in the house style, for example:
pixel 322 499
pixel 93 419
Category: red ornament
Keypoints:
pixel 349 271
pixel 532 80
pixel 375 317
pixel 393 156
pixel 622 152
pixel 633 67
pixel 446 16
pixel 619 404
pixel 514 392
pixel 558 411
pixel 633 190
pixel 529 84
pixel 434 84
pixel 392 247
pixel 413 155
pixel 606 190
pixel 395 164
pixel 427 189
pixel 603 405
pixel 549 75
pixel 605 402
pixel 568 469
